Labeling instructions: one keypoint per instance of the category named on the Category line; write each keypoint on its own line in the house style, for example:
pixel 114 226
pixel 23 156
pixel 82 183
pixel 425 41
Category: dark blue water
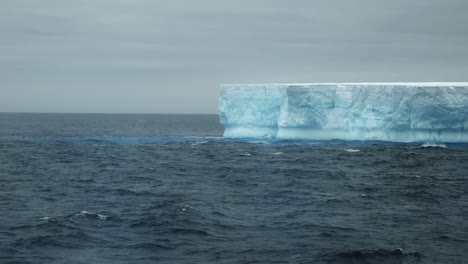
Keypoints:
pixel 82 188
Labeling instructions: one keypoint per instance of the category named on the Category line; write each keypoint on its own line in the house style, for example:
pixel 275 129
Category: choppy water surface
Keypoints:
pixel 169 189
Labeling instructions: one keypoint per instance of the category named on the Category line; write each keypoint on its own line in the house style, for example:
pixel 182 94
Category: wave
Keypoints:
pixel 377 256
pixel 197 141
pixel 151 246
pixel 110 139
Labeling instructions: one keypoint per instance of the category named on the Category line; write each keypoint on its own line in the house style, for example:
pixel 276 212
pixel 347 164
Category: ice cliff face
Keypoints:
pixel 403 112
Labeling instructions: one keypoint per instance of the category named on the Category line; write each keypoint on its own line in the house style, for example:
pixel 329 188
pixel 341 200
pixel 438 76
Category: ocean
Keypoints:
pixel 131 188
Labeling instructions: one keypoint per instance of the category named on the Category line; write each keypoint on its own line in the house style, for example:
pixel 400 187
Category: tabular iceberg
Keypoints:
pixel 401 112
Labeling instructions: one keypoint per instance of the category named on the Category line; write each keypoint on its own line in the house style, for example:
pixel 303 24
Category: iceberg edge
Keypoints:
pixel 399 112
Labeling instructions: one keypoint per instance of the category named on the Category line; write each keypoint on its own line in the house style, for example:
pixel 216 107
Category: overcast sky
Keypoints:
pixel 151 56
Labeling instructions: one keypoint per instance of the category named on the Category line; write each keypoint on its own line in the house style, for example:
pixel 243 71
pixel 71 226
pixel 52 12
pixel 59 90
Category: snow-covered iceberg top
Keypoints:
pixel 403 112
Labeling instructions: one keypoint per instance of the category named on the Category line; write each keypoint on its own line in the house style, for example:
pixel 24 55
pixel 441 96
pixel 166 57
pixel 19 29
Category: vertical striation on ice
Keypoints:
pixel 404 112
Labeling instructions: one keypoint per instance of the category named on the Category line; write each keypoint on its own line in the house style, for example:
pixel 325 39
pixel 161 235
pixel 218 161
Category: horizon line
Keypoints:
pixel 106 113
pixel 424 84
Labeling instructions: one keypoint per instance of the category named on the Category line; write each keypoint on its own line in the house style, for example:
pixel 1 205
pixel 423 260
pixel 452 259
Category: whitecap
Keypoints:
pixel 86 214
pixel 102 217
pixel 83 213
pixel 260 142
pixel 433 145
pixel 198 143
pixel 352 150
pixel 185 208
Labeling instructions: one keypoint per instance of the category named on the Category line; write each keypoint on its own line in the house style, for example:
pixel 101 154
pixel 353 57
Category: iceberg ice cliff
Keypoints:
pixel 402 112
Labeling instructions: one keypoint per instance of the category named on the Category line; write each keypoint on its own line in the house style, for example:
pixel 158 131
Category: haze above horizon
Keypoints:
pixel 84 56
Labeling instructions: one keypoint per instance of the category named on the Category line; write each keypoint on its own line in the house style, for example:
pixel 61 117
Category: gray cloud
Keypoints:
pixel 170 56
